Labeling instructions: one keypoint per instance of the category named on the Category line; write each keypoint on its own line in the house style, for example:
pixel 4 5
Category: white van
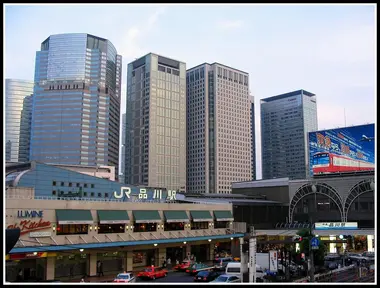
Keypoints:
pixel 233 268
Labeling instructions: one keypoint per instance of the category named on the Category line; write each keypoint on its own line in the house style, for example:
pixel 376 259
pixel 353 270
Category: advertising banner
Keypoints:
pixel 273 258
pixel 349 149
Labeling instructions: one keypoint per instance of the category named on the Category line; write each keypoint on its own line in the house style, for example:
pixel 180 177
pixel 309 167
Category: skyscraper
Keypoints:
pixel 156 123
pixel 218 128
pixel 76 103
pixel 18 109
pixel 253 139
pixel 122 152
pixel 285 122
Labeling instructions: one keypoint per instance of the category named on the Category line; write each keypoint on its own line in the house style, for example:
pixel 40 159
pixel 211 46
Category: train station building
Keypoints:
pixel 65 232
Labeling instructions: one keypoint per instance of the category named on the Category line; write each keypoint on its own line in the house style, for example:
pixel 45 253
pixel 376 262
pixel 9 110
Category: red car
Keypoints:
pixel 185 264
pixel 152 273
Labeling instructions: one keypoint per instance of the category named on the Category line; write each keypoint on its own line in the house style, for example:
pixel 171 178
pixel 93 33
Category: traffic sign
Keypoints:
pixel 314 243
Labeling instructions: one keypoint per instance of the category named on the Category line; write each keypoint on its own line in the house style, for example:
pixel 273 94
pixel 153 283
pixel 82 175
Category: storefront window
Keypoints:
pixel 144 258
pixel 174 226
pixel 71 229
pixel 221 224
pixel 145 227
pixel 70 266
pixel 199 225
pixel 112 262
pixel 111 228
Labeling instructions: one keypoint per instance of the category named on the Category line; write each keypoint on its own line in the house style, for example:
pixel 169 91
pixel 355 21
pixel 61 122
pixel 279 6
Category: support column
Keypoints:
pixel 93 258
pixel 129 261
pixel 161 256
pixel 188 251
pixel 211 252
pixel 50 268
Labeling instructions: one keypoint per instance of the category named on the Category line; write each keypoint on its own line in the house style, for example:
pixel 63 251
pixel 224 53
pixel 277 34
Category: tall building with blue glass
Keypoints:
pixel 18 109
pixel 253 139
pixel 76 103
pixel 286 120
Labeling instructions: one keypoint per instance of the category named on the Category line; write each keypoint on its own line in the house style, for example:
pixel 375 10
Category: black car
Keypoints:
pixel 206 276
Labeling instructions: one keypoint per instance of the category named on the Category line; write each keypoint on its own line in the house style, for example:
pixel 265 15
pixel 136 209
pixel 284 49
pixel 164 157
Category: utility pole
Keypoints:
pixel 252 255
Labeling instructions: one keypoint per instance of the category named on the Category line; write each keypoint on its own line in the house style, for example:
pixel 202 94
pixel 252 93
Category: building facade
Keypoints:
pixel 156 123
pixel 122 151
pixel 76 103
pixel 218 128
pixel 64 235
pixel 253 139
pixel 18 109
pixel 285 122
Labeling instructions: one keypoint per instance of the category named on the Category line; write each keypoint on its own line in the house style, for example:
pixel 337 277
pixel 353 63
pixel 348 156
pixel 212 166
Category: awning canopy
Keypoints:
pixel 223 215
pixel 201 216
pixel 74 216
pixel 146 216
pixel 176 216
pixel 113 216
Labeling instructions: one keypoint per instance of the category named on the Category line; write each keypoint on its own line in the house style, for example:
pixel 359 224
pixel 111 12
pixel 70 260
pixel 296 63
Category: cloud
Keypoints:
pixel 230 24
pixel 131 47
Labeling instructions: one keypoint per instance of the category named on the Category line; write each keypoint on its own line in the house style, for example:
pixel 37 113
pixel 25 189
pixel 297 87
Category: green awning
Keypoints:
pixel 201 216
pixel 146 216
pixel 74 216
pixel 113 216
pixel 176 216
pixel 223 215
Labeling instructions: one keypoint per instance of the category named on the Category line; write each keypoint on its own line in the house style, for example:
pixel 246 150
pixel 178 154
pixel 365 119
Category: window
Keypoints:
pixel 70 184
pixel 174 226
pixel 111 228
pixel 54 192
pixel 92 194
pixel 92 185
pixel 105 195
pixel 85 185
pixel 54 183
pixel 70 229
pixel 199 225
pixel 85 194
pixel 78 184
pixel 99 194
pixel 62 183
pixel 145 227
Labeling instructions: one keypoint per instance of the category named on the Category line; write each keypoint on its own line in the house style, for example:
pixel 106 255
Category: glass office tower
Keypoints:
pixel 285 122
pixel 76 103
pixel 155 146
pixel 18 109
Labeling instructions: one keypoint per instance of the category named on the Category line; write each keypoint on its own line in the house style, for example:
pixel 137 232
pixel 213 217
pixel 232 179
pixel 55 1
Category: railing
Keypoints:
pixel 117 237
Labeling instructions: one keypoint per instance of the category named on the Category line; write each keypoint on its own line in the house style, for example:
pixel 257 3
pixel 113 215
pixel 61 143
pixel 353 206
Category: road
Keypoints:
pixel 173 277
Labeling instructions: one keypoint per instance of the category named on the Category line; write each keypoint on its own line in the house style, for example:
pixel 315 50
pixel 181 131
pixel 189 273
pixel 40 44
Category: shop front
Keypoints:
pixel 144 258
pixel 146 221
pixel 71 266
pixel 201 252
pixel 26 267
pixel 176 253
pixel 201 220
pixel 110 262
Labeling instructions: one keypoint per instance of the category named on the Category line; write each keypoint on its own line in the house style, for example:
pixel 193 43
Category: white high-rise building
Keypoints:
pixel 218 128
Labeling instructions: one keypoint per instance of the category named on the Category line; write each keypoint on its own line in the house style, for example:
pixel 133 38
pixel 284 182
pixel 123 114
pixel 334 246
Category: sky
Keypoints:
pixel 328 50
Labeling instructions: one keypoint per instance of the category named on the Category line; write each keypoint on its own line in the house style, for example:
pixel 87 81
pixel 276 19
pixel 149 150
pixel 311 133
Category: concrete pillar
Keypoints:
pixel 129 261
pixel 93 258
pixel 161 256
pixel 188 251
pixel 211 252
pixel 50 268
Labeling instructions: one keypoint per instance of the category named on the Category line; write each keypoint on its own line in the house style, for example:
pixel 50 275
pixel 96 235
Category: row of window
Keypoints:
pixel 70 229
pixel 70 184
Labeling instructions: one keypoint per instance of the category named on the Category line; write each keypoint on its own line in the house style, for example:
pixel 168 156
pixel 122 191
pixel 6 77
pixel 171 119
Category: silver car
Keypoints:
pixel 226 279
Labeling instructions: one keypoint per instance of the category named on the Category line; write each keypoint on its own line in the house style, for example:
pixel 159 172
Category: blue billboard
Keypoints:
pixel 348 149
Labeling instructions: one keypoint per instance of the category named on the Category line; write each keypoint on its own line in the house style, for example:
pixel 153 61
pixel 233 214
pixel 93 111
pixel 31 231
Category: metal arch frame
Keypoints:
pixel 358 189
pixel 322 188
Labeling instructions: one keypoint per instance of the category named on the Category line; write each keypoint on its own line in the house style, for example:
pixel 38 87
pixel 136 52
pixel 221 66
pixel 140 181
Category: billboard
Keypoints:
pixel 348 149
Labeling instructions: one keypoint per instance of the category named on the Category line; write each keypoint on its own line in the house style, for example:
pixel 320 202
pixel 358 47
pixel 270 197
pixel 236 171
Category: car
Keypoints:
pixel 206 276
pixel 126 277
pixel 233 268
pixel 152 273
pixel 333 261
pixel 185 264
pixel 221 263
pixel 197 267
pixel 227 279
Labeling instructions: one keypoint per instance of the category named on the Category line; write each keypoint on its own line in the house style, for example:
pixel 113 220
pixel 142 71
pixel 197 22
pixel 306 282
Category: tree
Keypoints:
pixel 319 254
